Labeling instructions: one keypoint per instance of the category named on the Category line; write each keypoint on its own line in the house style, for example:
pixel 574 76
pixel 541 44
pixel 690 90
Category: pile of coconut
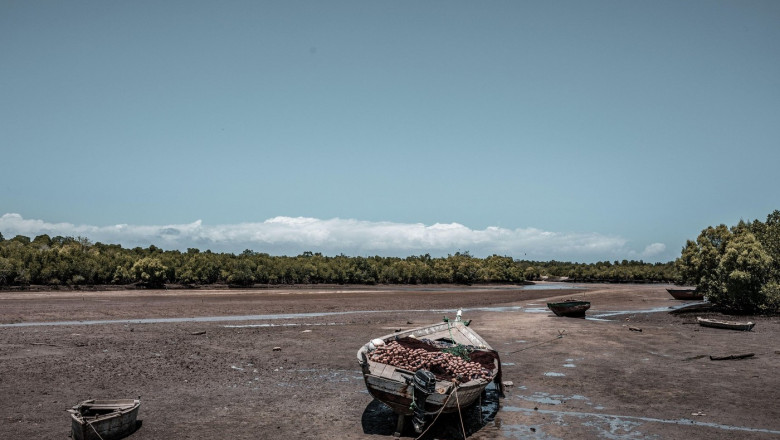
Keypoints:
pixel 457 362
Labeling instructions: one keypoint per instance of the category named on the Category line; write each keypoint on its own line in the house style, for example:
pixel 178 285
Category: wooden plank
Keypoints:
pixel 388 372
pixel 375 368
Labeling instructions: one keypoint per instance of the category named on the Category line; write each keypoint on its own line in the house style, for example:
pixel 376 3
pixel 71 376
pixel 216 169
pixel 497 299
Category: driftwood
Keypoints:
pixel 730 357
pixel 635 329
pixel 203 332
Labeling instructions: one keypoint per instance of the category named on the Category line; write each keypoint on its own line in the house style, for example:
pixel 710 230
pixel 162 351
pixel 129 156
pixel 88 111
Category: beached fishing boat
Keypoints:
pixel 730 325
pixel 438 368
pixel 573 309
pixel 104 419
pixel 685 294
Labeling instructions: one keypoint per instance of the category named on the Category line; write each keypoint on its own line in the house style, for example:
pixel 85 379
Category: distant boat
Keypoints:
pixel 730 325
pixel 104 419
pixel 572 309
pixel 686 293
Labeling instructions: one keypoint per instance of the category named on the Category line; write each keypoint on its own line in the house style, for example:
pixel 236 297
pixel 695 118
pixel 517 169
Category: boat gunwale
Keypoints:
pixel 363 350
pixel 76 414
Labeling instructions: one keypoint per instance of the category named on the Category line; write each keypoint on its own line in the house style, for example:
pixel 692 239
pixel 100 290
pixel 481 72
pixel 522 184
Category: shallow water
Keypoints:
pixel 552 286
pixel 252 317
pixel 627 423
pixel 601 316
pixel 379 419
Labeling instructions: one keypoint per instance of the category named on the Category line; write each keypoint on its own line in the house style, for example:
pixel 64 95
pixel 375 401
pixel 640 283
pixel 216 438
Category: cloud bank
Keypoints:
pixel 294 235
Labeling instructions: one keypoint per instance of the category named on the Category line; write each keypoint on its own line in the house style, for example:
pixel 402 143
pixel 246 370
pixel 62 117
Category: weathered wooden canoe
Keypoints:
pixel 397 387
pixel 730 325
pixel 574 309
pixel 104 419
pixel 685 294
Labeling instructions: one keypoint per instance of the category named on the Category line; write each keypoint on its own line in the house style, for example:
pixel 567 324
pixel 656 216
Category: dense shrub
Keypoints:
pixel 736 268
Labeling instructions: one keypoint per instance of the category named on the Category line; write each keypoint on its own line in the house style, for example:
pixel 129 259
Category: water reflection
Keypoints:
pixel 379 419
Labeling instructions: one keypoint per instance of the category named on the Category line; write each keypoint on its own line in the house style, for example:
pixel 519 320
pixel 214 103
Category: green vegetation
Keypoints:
pixel 737 268
pixel 68 261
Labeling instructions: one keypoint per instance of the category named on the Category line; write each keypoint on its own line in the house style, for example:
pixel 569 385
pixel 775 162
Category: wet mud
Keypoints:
pixel 282 364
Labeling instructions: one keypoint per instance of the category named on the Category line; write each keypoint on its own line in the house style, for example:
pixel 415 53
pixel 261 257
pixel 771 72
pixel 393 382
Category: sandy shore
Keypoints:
pixel 204 366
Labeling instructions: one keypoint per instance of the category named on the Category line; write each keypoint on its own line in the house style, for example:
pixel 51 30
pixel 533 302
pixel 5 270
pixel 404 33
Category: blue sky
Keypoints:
pixel 567 130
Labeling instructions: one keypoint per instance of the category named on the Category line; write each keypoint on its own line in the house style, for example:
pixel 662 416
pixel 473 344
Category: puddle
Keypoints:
pixel 553 374
pixel 600 316
pixel 496 309
pixel 570 365
pixel 281 325
pixel 543 398
pixel 611 425
pixel 548 399
pixel 379 419
pixel 551 286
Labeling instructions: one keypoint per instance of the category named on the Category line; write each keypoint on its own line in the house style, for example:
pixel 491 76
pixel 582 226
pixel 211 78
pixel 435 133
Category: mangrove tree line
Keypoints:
pixel 69 261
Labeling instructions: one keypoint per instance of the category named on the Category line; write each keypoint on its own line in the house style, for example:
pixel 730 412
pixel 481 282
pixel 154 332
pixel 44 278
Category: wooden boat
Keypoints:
pixel 685 294
pixel 730 325
pixel 104 419
pixel 574 309
pixel 403 390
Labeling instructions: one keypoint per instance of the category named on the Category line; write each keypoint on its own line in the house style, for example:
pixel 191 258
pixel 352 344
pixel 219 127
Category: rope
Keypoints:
pixel 462 426
pixel 93 428
pixel 449 329
pixel 561 334
pixel 439 413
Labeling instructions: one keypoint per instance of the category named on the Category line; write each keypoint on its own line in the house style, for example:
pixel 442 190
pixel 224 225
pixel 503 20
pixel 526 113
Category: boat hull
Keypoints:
pixel 571 309
pixel 390 385
pixel 729 325
pixel 104 419
pixel 685 294
pixel 398 396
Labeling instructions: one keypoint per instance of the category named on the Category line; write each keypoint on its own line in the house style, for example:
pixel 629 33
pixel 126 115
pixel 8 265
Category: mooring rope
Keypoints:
pixel 93 428
pixel 439 413
pixel 462 426
pixel 561 334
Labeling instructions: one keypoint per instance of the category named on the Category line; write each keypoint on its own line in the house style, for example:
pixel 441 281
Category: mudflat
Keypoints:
pixel 281 363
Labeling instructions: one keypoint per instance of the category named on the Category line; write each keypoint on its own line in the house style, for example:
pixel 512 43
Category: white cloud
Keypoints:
pixel 654 249
pixel 294 235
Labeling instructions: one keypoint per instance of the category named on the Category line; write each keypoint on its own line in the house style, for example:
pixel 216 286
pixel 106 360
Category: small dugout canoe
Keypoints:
pixel 729 325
